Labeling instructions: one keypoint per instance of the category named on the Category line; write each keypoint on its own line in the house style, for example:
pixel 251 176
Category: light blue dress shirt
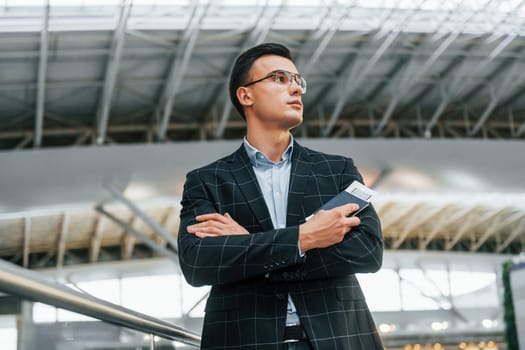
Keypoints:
pixel 274 181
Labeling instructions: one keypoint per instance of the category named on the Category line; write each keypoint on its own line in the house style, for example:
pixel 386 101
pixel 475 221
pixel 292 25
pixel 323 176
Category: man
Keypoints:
pixel 278 281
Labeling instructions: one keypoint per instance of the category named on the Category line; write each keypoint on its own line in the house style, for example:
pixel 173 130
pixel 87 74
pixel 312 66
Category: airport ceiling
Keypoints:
pixel 81 205
pixel 145 72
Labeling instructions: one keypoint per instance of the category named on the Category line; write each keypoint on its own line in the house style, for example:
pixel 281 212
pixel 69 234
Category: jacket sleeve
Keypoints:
pixel 233 258
pixel 360 251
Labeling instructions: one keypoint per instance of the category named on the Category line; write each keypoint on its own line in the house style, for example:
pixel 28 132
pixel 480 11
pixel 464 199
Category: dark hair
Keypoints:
pixel 243 64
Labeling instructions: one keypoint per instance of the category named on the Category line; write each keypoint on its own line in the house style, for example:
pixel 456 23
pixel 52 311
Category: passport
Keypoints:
pixel 356 193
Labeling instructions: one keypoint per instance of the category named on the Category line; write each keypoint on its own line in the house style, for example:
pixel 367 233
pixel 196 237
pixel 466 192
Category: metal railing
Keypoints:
pixel 33 286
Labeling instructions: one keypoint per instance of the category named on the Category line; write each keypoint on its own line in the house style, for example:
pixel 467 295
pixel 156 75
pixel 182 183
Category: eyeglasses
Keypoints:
pixel 283 77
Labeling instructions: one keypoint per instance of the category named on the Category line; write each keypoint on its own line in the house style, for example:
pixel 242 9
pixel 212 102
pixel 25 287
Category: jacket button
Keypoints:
pixel 281 296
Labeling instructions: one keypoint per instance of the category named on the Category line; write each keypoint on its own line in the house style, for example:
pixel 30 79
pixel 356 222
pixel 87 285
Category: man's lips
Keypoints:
pixel 296 103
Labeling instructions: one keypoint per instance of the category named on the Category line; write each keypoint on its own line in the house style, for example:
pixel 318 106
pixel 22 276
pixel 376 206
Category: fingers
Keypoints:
pixel 352 221
pixel 205 230
pixel 212 217
pixel 204 235
pixel 204 226
pixel 349 208
pixel 214 224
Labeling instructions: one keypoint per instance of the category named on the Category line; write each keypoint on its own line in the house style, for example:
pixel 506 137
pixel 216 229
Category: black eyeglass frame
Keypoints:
pixel 298 78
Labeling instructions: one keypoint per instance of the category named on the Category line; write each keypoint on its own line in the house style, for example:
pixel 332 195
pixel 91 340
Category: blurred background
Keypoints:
pixel 106 105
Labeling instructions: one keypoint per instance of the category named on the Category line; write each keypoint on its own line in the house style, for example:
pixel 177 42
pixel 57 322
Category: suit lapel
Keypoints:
pixel 244 175
pixel 299 175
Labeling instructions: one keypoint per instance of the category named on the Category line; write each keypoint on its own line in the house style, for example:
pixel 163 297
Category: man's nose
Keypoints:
pixel 295 88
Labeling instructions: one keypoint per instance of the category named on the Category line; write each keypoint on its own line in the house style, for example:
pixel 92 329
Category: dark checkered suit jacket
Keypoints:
pixel 252 274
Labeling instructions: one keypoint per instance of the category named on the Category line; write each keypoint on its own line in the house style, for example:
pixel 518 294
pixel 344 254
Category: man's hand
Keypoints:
pixel 327 227
pixel 212 225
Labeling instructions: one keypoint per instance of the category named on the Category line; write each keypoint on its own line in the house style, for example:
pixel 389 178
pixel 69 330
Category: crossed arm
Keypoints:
pixel 326 228
pixel 215 249
pixel 338 245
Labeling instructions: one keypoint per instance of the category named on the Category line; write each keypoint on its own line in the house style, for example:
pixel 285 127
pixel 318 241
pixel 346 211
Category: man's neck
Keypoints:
pixel 272 144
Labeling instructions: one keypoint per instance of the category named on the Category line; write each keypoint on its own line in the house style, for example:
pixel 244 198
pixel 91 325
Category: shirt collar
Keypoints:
pixel 257 158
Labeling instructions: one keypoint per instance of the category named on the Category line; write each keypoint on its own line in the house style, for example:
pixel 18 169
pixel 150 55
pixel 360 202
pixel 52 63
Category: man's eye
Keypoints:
pixel 281 78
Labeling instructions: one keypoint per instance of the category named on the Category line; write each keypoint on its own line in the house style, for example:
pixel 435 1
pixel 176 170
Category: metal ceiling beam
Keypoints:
pixel 42 74
pixel 509 84
pixel 397 216
pixel 61 242
pixel 128 241
pixel 519 230
pixel 79 84
pixel 490 78
pixel 405 87
pixel 79 135
pixel 390 75
pixel 497 95
pixel 228 35
pixel 458 215
pixel 494 103
pixel 415 224
pixel 140 235
pixel 495 227
pixel 12 99
pixel 27 238
pixel 175 16
pixel 112 68
pixel 81 139
pixel 470 223
pixel 179 66
pixel 140 213
pixel 152 39
pixel 352 82
pixel 305 65
pixel 347 68
pixel 96 239
pixel 484 116
pixel 409 80
pixel 138 96
pixel 148 52
pixel 458 84
pixel 521 130
pixel 26 141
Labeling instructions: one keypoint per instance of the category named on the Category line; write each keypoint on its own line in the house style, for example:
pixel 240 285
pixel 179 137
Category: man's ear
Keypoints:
pixel 244 96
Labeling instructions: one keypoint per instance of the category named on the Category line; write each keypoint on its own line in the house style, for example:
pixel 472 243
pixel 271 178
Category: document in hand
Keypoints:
pixel 355 193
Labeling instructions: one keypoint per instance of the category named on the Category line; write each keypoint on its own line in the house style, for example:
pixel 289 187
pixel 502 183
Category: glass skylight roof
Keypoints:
pixel 424 16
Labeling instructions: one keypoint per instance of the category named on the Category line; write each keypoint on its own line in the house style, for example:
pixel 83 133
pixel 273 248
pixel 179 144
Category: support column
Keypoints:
pixel 24 325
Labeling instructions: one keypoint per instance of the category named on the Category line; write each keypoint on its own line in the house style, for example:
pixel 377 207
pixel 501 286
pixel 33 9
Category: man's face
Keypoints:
pixel 274 104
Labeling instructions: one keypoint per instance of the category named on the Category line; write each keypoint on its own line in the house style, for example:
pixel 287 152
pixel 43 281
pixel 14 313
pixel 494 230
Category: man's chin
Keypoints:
pixel 294 121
